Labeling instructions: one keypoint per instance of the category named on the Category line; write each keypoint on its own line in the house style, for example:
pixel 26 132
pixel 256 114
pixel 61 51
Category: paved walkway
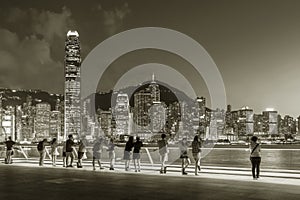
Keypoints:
pixel 276 176
pixel 29 181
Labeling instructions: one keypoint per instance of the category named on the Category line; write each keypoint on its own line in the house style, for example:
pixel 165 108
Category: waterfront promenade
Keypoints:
pixel 26 180
pixel 225 174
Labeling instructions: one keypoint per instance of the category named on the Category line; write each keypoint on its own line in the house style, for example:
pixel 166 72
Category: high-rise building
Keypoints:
pixel 72 85
pixel 27 120
pixel 55 124
pixel 142 103
pixel 259 124
pixel 245 121
pixel 121 113
pixel 289 125
pixel 105 121
pixel 201 105
pixel 8 123
pixel 173 118
pixel 42 121
pixel 158 117
pixel 270 122
pixel 240 122
pixel 154 90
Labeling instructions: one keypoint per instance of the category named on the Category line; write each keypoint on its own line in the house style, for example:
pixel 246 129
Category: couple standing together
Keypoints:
pixel 183 146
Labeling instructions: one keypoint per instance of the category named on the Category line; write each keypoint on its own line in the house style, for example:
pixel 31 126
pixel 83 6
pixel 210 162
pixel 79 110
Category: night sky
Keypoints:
pixel 255 44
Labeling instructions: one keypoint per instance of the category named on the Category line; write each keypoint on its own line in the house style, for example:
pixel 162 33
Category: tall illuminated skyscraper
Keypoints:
pixel 72 85
pixel 154 90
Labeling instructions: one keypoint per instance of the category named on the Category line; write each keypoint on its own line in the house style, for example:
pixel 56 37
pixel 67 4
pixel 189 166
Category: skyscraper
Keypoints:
pixel 42 121
pixel 122 114
pixel 154 90
pixel 72 84
pixel 142 103
pixel 270 121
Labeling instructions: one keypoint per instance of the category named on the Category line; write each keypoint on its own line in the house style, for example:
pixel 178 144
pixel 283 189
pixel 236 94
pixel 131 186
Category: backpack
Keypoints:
pixel 40 146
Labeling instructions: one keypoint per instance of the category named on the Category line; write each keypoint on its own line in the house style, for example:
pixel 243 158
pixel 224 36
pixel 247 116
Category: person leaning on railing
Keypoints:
pixel 9 150
pixel 41 149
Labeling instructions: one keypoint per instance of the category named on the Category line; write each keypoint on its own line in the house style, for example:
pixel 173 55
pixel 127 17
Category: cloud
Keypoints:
pixel 113 19
pixel 27 59
pixel 50 24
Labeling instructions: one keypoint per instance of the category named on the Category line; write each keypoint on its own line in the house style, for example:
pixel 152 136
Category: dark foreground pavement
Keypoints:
pixel 17 182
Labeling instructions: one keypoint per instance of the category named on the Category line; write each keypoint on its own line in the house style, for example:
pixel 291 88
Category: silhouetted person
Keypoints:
pixel 163 152
pixel 69 150
pixel 255 156
pixel 127 152
pixel 41 148
pixel 9 150
pixel 81 151
pixel 196 150
pixel 137 145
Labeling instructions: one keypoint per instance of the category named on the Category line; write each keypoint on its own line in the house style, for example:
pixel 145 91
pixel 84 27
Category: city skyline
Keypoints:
pixel 254 44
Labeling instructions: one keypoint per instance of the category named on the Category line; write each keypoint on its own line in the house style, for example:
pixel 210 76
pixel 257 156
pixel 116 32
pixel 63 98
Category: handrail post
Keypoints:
pixel 47 152
pixel 23 152
pixel 149 156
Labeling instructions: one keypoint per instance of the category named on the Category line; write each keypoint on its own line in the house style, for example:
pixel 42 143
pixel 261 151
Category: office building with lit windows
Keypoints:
pixel 72 85
pixel 122 115
pixel 42 121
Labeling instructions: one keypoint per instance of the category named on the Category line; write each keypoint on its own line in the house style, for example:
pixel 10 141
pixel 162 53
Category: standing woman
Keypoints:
pixel 255 156
pixel 183 147
pixel 196 150
pixel 97 152
pixel 127 152
pixel 54 151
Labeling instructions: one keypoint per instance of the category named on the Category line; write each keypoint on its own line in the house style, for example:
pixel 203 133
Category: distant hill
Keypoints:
pixel 167 94
pixel 18 97
pixel 102 100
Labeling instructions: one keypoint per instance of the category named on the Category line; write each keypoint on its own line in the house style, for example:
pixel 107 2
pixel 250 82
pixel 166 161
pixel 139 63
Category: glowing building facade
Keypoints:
pixel 122 116
pixel 72 85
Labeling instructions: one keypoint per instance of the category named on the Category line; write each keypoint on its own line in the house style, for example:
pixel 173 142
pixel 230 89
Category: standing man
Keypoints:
pixel 81 151
pixel 41 148
pixel 136 154
pixel 163 152
pixel 69 150
pixel 9 150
